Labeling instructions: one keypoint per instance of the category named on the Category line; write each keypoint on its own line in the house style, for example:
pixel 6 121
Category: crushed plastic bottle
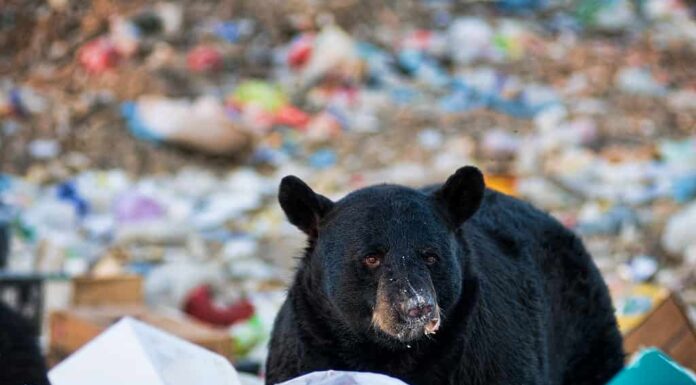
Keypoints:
pixel 430 139
pixel 334 52
pixel 134 207
pixel 497 143
pixel 680 230
pixel 593 221
pixel 232 31
pixel 44 148
pixel 300 50
pixel 99 55
pixel 200 304
pixel 323 158
pixel 246 335
pixel 21 102
pixel 125 36
pixel 472 38
pixel 610 15
pixel 204 58
pixel 256 93
pixel 638 81
pixel 640 268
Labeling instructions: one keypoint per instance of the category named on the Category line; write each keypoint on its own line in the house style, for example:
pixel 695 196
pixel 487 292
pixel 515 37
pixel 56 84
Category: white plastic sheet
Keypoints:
pixel 332 377
pixel 134 353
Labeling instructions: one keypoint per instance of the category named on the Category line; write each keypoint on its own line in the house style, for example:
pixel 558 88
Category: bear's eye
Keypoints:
pixel 372 260
pixel 430 258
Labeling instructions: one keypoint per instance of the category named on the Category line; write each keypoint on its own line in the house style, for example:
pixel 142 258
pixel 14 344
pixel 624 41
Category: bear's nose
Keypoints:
pixel 420 311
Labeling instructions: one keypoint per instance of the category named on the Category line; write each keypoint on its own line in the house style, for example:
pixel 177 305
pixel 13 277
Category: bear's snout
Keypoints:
pixel 420 311
pixel 423 310
pixel 406 308
pixel 417 307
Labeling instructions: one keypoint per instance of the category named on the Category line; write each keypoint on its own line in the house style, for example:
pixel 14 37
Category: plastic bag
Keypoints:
pixel 332 377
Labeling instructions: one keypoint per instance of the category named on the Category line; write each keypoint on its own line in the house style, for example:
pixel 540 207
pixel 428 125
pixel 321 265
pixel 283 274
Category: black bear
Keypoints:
pixel 21 362
pixel 452 284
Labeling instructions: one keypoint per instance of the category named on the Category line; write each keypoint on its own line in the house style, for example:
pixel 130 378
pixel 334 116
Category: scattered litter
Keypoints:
pixel 44 148
pixel 204 59
pixel 202 124
pixel 640 268
pixel 99 56
pixel 680 230
pixel 638 81
pixel 583 108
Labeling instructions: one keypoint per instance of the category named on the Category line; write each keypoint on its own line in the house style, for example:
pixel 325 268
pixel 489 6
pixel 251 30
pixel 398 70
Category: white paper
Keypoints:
pixel 134 353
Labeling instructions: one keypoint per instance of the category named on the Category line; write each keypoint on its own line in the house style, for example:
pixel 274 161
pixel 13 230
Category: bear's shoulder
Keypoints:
pixel 503 213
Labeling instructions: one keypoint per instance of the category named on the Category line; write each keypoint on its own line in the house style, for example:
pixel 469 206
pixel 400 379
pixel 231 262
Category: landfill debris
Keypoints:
pixel 204 59
pixel 585 109
pixel 607 15
pixel 640 268
pixel 201 125
pixel 680 231
pixel 233 31
pixel 99 55
pixel 651 315
pixel 141 354
pixel 200 304
pixel 333 54
pixel 44 148
pixel 172 284
pixel 651 366
pixel 638 81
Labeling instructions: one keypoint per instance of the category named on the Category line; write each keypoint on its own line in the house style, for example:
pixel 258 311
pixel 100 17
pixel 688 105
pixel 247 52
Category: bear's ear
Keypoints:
pixel 303 207
pixel 461 195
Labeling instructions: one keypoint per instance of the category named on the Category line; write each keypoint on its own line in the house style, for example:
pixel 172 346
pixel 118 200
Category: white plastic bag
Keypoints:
pixel 332 377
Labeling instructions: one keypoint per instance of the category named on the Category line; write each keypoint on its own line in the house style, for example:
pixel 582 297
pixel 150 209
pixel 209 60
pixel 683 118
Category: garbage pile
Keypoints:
pixel 584 108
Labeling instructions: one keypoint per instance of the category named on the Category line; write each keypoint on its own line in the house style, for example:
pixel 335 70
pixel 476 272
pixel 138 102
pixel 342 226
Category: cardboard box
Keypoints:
pixel 117 290
pixel 649 316
pixel 71 329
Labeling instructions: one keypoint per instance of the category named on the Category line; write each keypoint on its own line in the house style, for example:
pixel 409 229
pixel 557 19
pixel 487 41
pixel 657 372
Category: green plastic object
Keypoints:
pixel 270 97
pixel 246 335
pixel 653 367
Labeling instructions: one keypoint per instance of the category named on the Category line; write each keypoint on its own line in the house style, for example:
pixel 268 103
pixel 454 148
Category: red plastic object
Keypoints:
pixel 420 40
pixel 99 55
pixel 292 116
pixel 201 306
pixel 204 59
pixel 300 51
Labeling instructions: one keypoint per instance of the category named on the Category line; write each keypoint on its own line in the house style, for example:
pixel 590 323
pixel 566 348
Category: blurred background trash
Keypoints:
pixel 201 125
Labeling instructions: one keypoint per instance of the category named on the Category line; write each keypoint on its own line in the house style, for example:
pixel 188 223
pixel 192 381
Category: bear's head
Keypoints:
pixel 387 257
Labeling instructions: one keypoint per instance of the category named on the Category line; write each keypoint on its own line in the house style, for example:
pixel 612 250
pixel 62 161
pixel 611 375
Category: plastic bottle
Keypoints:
pixel 204 59
pixel 99 55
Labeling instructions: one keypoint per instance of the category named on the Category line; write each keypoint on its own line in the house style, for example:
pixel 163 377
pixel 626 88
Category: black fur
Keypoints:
pixel 521 300
pixel 21 362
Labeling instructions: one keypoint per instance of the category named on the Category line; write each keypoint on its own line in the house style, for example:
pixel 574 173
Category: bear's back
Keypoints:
pixel 544 270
